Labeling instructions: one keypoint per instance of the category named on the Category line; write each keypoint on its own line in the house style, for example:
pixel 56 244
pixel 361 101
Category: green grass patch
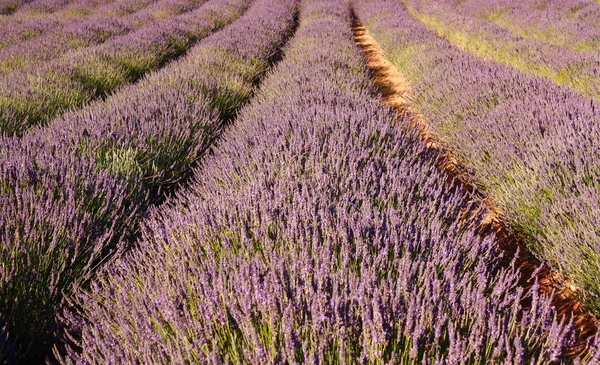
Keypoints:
pixel 45 100
pixel 100 77
pixel 135 65
pixel 161 14
pixel 30 33
pixel 492 15
pixel 119 159
pixel 230 62
pixel 12 63
pixel 9 9
pixel 404 57
pixel 227 97
pixel 76 12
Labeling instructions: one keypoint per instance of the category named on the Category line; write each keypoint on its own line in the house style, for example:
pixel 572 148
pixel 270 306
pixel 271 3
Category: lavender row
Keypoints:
pixel 13 10
pixel 72 191
pixel 49 36
pixel 28 26
pixel 44 6
pixel 93 31
pixel 8 7
pixel 318 232
pixel 531 145
pixel 39 16
pixel 576 68
pixel 19 8
pixel 35 95
pixel 574 24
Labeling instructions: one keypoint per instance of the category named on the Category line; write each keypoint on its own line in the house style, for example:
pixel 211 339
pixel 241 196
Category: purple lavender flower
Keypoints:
pixel 319 231
pixel 74 193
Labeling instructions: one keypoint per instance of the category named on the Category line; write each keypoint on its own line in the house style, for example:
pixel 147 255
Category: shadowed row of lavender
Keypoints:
pixel 530 144
pixel 574 63
pixel 8 7
pixel 319 232
pixel 71 192
pixel 36 94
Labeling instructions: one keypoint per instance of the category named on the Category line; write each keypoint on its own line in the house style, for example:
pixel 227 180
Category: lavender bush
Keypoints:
pixel 531 145
pixel 19 8
pixel 23 27
pixel 70 192
pixel 35 95
pixel 319 232
pixel 18 29
pixel 577 68
pixel 46 6
pixel 8 7
pixel 93 31
pixel 573 24
pixel 41 17
pixel 36 9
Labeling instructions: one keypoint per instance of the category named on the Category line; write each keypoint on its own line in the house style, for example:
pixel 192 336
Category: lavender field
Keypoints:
pixel 299 182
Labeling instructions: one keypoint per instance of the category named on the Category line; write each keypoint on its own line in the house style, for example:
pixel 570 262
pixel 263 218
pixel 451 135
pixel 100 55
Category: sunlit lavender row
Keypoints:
pixel 577 68
pixel 221 181
pixel 319 232
pixel 20 9
pixel 34 96
pixel 93 31
pixel 53 27
pixel 15 29
pixel 44 7
pixel 573 24
pixel 63 211
pixel 532 145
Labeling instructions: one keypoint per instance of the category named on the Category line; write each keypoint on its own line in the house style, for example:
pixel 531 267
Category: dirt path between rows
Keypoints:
pixel 395 90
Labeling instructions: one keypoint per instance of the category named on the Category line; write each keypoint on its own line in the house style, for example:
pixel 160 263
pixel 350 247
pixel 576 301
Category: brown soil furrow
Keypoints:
pixel 395 89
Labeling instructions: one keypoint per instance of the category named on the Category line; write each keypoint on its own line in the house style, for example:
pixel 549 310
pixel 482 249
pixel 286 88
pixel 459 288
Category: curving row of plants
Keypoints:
pixel 74 193
pixel 319 232
pixel 35 95
pixel 576 66
pixel 29 55
pixel 28 25
pixel 8 7
pixel 572 24
pixel 530 144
